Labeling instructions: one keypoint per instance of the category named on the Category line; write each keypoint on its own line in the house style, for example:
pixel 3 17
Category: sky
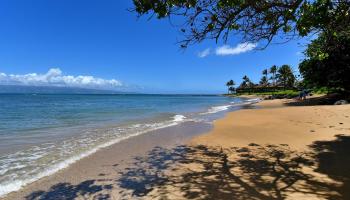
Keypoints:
pixel 100 44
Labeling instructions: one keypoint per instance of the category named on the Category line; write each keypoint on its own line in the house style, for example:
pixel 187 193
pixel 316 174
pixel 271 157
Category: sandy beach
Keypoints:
pixel 275 123
pixel 100 175
pixel 278 151
pixel 175 100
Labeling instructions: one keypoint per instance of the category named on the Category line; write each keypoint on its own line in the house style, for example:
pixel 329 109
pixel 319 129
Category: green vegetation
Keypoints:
pixel 218 19
pixel 273 71
pixel 285 76
pixel 230 86
pixel 264 81
pixel 283 83
pixel 277 94
pixel 324 90
pixel 327 62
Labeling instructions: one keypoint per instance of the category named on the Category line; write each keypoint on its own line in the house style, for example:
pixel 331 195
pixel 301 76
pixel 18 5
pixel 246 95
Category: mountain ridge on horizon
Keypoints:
pixel 23 89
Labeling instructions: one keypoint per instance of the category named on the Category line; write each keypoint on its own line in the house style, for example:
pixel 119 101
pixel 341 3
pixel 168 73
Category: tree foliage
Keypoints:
pixel 264 81
pixel 273 71
pixel 232 89
pixel 327 57
pixel 327 62
pixel 246 82
pixel 230 85
pixel 265 72
pixel 285 76
pixel 252 20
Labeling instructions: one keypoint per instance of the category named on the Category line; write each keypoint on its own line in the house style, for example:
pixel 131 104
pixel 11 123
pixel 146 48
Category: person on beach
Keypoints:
pixel 303 94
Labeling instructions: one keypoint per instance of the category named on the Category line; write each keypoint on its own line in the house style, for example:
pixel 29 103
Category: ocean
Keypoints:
pixel 42 133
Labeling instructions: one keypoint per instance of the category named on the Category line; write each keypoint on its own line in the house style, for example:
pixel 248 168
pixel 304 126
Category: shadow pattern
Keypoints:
pixel 67 191
pixel 329 99
pixel 333 158
pixel 252 172
pixel 149 171
pixel 258 172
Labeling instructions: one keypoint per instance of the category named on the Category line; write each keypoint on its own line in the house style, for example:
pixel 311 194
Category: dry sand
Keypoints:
pixel 275 123
pixel 274 152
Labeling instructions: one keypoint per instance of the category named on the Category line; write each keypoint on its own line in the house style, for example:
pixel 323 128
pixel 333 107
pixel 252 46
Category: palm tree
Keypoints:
pixel 265 72
pixel 228 87
pixel 229 84
pixel 231 89
pixel 285 76
pixel 264 81
pixel 246 79
pixel 273 71
pixel 246 82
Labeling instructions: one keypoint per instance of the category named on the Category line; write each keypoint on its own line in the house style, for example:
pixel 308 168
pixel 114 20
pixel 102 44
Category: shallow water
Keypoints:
pixel 41 134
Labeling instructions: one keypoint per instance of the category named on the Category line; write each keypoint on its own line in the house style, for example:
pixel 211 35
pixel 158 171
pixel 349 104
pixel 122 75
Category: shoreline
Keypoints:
pixel 66 163
pixel 106 176
pixel 275 152
pixel 274 121
pixel 87 169
pixel 176 122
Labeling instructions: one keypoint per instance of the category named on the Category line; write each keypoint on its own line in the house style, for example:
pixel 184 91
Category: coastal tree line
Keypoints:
pixel 327 57
pixel 272 79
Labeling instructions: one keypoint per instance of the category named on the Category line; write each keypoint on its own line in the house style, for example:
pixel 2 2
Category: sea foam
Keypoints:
pixel 179 118
pixel 138 129
pixel 216 109
pixel 68 128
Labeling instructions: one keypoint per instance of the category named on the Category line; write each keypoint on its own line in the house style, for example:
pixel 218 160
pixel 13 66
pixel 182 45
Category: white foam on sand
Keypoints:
pixel 216 109
pixel 14 185
pixel 179 118
pixel 256 100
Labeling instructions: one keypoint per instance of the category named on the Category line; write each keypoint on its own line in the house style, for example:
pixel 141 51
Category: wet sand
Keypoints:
pixel 97 176
pixel 278 151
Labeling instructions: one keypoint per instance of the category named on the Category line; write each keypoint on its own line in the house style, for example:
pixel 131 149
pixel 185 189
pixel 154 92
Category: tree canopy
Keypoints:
pixel 285 76
pixel 327 62
pixel 252 20
pixel 327 57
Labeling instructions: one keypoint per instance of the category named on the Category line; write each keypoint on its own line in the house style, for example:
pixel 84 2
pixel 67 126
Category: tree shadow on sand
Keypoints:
pixel 333 158
pixel 252 172
pixel 200 172
pixel 149 171
pixel 67 191
pixel 329 99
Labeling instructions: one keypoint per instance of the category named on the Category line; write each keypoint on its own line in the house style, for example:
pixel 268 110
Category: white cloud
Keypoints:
pixel 204 53
pixel 240 48
pixel 55 77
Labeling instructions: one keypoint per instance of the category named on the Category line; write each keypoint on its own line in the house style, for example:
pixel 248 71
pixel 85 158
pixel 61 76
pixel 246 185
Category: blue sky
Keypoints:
pixel 102 41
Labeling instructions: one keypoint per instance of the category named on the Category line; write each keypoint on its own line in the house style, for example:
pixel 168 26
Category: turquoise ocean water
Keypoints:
pixel 42 133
